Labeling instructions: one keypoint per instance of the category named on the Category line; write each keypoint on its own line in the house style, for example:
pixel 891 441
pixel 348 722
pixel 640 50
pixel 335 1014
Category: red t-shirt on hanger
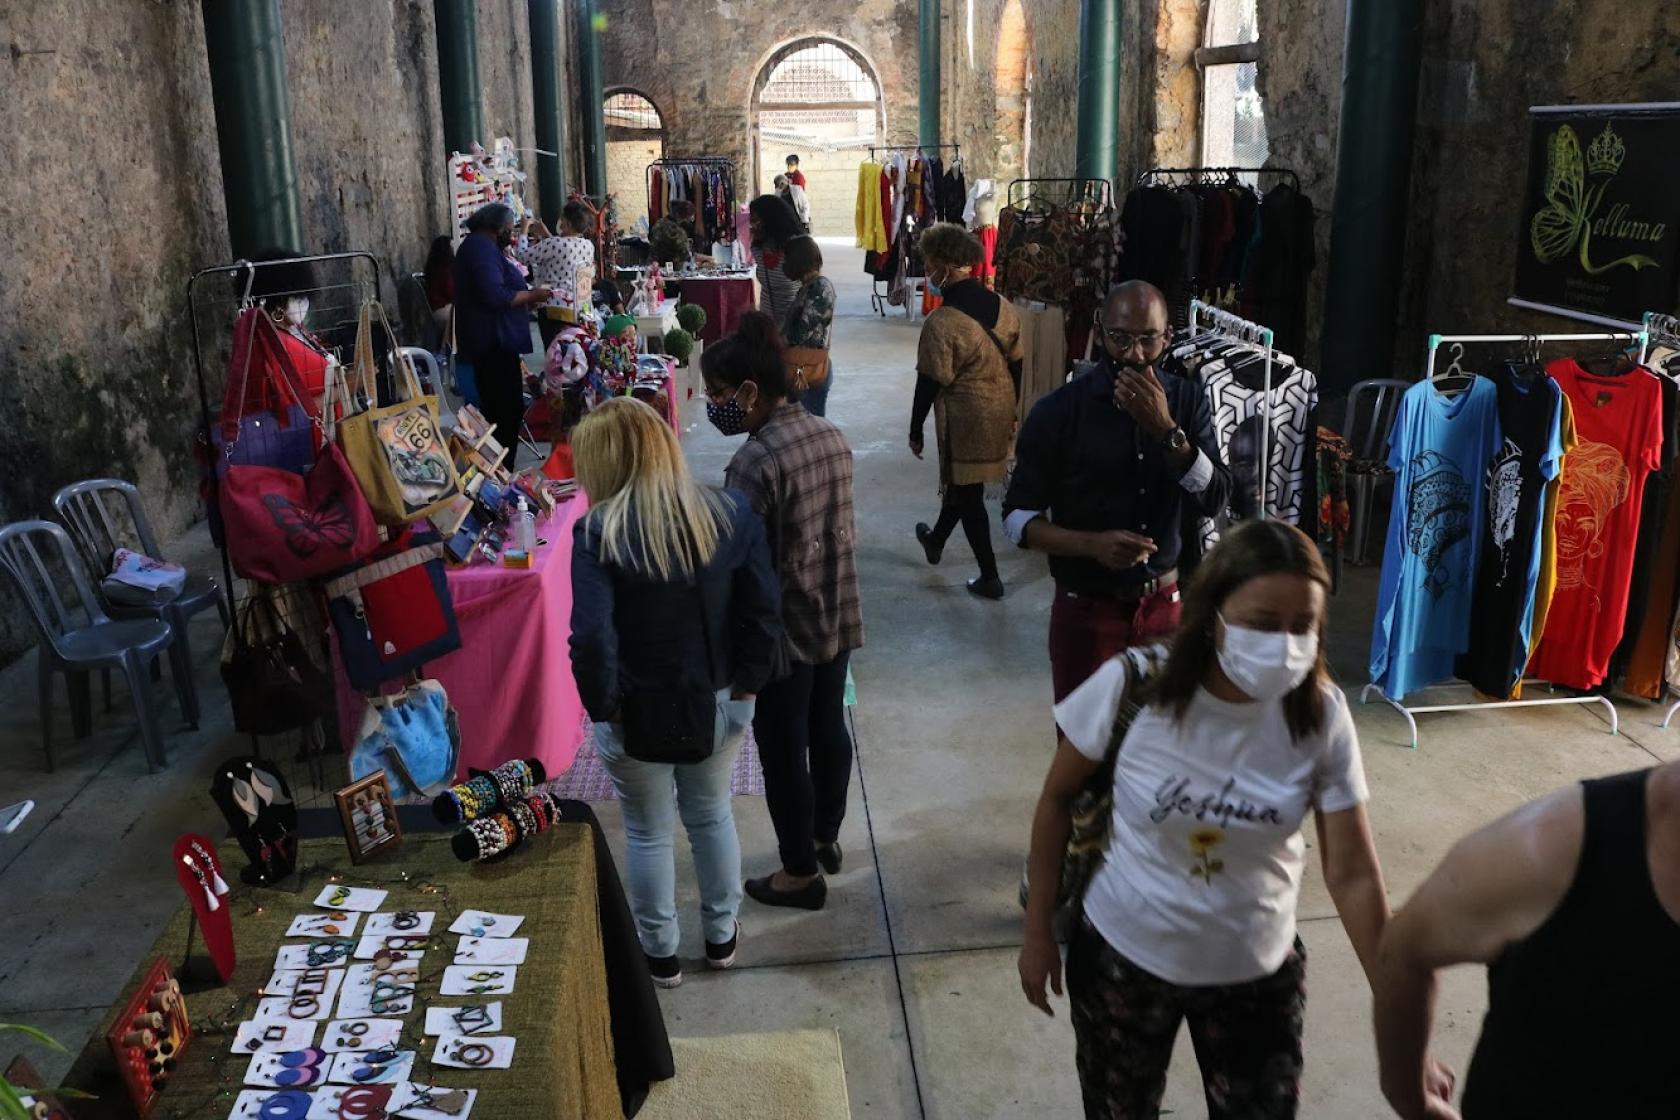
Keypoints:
pixel 1618 420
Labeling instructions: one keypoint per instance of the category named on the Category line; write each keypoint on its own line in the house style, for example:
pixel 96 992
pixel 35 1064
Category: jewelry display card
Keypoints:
pixel 250 1104
pixel 340 897
pixel 476 980
pixel 295 1069
pixel 398 945
pixel 345 1035
pixel 383 1067
pixel 432 1102
pixel 328 952
pixel 481 923
pixel 322 982
pixel 401 921
pixel 347 1102
pixel 340 924
pixel 487 950
pixel 461 1052
pixel 386 997
pixel 294 1007
pixel 472 1018
pixel 266 1036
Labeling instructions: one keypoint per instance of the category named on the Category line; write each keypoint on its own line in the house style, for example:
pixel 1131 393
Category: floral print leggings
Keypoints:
pixel 1247 1036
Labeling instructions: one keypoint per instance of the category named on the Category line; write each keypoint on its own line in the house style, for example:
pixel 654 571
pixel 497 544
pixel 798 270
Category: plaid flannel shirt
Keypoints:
pixel 803 462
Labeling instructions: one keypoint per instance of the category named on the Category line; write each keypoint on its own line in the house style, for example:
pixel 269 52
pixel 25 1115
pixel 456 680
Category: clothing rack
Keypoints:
pixel 1408 711
pixel 724 162
pixel 873 148
pixel 1204 174
pixel 1223 324
pixel 1104 190
pixel 1667 329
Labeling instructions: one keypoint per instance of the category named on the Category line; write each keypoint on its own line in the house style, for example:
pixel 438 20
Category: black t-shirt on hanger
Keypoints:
pixel 1528 417
pixel 1651 517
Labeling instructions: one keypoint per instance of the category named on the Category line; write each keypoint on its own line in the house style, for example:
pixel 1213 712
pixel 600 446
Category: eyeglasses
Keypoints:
pixel 1124 341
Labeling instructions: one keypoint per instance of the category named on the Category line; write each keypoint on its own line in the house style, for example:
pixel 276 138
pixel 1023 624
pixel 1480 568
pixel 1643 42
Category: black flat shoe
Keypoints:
pixel 924 537
pixel 830 855
pixel 991 588
pixel 809 897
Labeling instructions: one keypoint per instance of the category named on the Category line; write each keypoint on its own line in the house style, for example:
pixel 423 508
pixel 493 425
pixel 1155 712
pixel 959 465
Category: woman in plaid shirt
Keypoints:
pixel 796 469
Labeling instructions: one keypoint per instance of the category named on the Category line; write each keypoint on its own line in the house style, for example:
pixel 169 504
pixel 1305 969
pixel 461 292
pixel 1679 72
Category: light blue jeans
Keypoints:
pixel 652 796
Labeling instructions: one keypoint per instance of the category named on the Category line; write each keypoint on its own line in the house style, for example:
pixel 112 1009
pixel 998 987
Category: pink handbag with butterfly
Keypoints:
pixel 283 527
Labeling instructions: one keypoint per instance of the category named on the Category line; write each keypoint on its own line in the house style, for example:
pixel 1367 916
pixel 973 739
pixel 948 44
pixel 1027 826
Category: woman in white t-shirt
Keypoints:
pixel 558 263
pixel 1191 915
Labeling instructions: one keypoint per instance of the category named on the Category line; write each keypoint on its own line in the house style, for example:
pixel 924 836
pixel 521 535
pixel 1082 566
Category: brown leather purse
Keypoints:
pixel 807 367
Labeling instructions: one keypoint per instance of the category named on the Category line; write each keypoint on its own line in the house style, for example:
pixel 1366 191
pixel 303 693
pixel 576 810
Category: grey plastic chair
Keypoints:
pixel 100 525
pixel 1367 435
pixel 77 637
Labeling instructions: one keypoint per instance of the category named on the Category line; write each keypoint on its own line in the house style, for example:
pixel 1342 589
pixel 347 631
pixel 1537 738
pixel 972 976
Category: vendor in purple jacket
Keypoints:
pixel 492 327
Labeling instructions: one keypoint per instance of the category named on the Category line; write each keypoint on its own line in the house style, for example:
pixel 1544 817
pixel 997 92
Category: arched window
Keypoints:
pixel 1233 117
pixel 635 138
pixel 1013 81
pixel 817 99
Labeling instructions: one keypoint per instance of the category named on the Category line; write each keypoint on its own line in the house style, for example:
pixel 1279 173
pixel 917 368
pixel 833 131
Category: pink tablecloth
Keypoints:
pixel 511 680
pixel 725 300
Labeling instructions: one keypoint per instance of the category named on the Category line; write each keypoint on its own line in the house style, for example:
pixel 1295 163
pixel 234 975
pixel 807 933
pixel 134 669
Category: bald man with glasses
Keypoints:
pixel 1106 468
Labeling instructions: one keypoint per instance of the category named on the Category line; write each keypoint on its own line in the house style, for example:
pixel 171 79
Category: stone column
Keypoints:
pixel 246 45
pixel 545 103
pixel 592 109
pixel 1098 154
pixel 458 82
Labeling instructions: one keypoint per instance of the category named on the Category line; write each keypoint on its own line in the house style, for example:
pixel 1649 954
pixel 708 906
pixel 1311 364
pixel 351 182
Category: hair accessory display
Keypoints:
pixel 500 833
pixel 484 793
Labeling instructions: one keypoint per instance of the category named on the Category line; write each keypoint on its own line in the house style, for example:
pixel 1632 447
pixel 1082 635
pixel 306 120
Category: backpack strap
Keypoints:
pixel 1141 664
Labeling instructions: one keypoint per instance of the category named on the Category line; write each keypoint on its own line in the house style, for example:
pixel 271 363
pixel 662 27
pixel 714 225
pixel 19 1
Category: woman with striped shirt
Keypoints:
pixel 773 224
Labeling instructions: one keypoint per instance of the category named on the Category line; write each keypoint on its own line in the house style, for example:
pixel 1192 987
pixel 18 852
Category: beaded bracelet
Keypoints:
pixel 513 781
pixel 524 818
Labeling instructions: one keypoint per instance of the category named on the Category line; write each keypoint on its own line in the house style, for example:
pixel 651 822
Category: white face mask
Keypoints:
pixel 297 310
pixel 1267 664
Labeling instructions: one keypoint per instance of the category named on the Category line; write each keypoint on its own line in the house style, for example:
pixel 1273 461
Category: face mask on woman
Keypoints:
pixel 935 287
pixel 728 417
pixel 1266 664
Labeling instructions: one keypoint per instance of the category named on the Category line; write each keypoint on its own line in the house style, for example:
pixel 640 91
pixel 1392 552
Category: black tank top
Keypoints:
pixel 1584 1014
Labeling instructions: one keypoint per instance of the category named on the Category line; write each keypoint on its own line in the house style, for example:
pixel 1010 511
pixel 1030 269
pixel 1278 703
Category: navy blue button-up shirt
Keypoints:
pixel 1081 461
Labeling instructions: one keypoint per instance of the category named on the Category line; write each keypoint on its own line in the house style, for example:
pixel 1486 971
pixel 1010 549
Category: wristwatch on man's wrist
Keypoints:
pixel 1175 440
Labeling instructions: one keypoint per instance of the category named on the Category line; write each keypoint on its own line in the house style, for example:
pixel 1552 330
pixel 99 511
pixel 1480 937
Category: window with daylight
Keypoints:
pixel 817 99
pixel 635 138
pixel 1233 118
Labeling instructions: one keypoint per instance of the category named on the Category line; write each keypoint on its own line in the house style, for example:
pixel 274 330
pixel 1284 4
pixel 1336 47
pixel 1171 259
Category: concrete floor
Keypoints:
pixel 913 960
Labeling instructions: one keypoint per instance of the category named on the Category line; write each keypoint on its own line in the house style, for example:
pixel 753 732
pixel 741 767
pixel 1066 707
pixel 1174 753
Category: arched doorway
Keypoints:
pixel 1013 81
pixel 819 99
pixel 635 138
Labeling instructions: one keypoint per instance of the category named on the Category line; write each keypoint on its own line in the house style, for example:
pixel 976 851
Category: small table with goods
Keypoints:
pixel 724 296
pixel 511 682
pixel 541 1037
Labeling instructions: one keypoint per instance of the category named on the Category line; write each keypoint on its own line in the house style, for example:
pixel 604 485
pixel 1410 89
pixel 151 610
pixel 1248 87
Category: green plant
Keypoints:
pixel 11 1096
pixel 692 317
pixel 679 344
pixel 668 242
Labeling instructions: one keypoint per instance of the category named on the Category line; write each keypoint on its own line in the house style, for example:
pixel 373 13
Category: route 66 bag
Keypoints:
pixel 397 451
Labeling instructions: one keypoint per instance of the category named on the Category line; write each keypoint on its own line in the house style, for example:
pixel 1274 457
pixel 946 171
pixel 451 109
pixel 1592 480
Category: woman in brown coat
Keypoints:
pixel 968 370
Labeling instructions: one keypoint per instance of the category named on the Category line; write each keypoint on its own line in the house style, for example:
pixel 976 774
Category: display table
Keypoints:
pixel 563 1064
pixel 724 298
pixel 511 680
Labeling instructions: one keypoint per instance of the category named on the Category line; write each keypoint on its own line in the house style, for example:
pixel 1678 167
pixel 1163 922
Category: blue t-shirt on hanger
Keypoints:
pixel 1439 452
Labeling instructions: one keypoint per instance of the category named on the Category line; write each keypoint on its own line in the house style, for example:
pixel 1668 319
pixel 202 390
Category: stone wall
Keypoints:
pixel 698 61
pixel 113 198
pixel 1485 63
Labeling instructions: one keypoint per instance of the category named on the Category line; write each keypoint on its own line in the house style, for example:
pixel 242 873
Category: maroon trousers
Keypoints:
pixel 1085 631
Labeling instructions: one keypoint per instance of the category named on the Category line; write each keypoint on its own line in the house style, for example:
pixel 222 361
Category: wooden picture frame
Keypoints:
pixel 22 1076
pixel 369 816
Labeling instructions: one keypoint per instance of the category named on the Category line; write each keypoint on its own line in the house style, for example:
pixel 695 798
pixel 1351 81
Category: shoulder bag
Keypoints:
pixel 675 725
pixel 1092 810
pixel 397 451
pixel 282 526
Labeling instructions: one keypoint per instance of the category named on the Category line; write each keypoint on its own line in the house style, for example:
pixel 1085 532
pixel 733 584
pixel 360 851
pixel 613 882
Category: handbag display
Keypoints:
pixel 273 680
pixel 414 736
pixel 397 451
pixel 394 613
pixel 282 526
pixel 807 367
pixel 676 725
